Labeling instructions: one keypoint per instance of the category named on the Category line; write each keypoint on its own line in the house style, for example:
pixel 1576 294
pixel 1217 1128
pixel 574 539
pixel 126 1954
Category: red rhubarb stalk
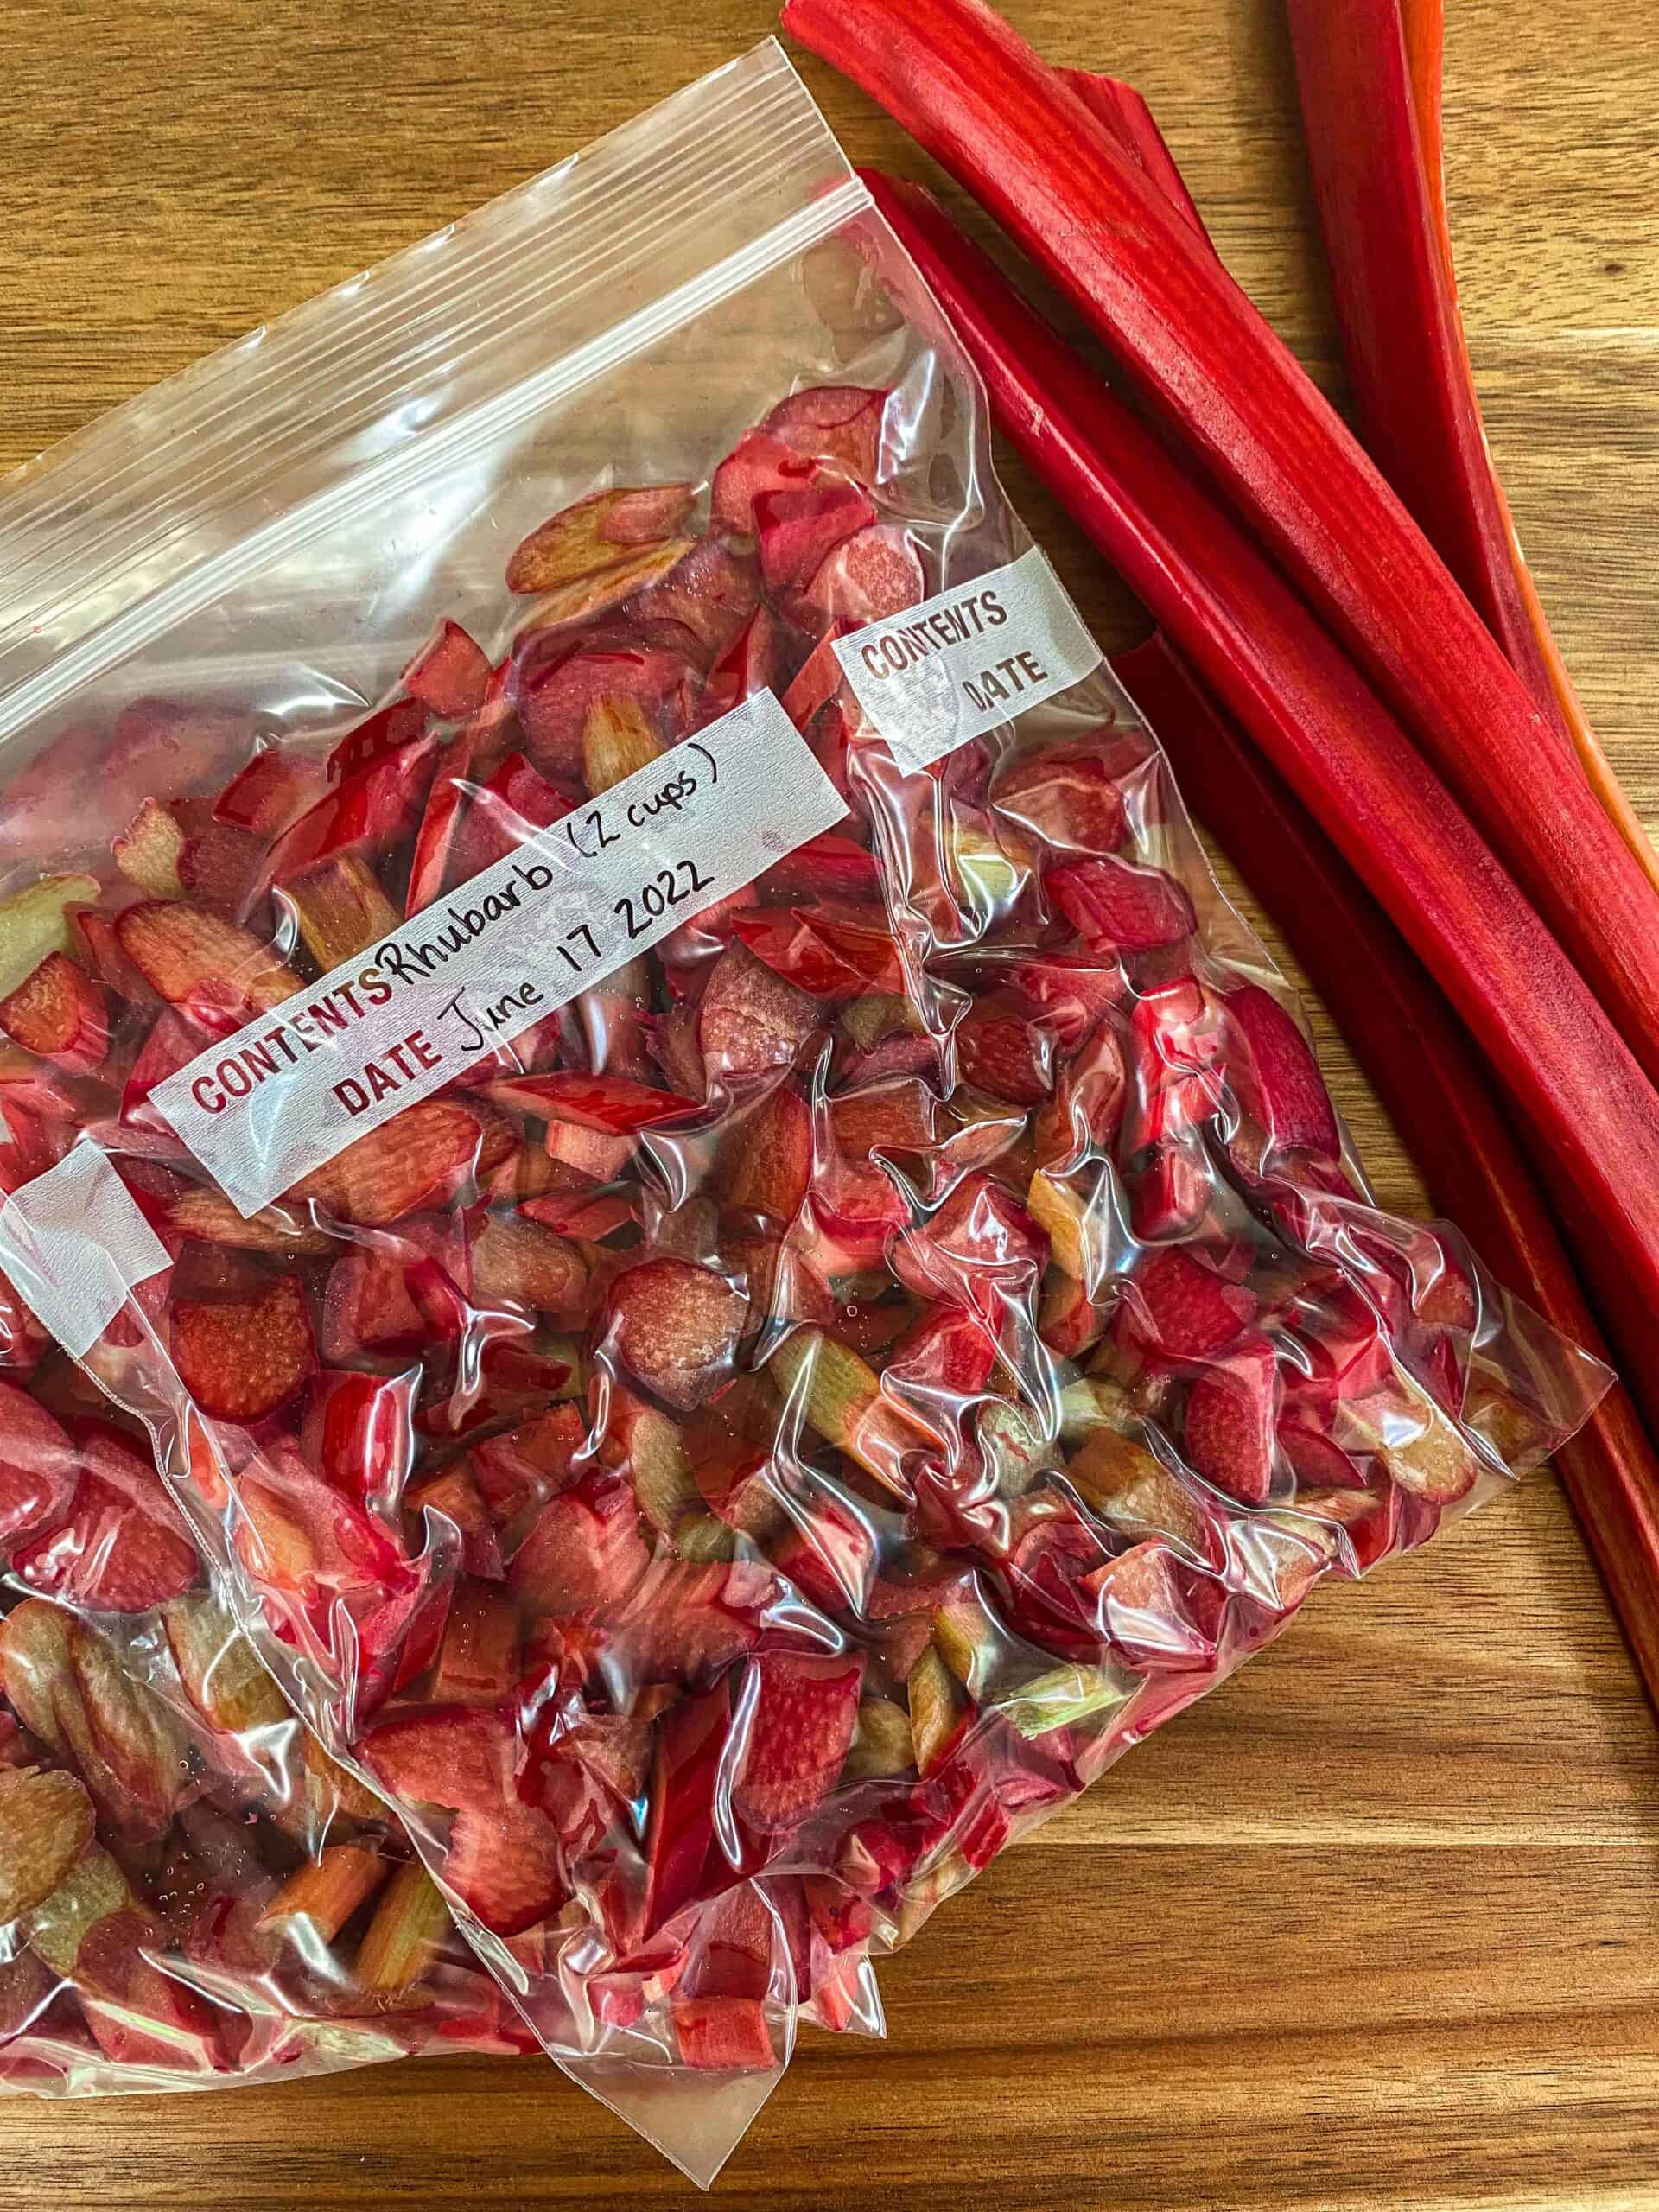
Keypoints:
pixel 1403 340
pixel 1420 1062
pixel 1425 29
pixel 1423 23
pixel 1306 706
pixel 1016 134
pixel 1118 107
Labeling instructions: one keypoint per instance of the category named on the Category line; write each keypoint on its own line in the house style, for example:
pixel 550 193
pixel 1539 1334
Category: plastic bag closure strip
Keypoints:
pixel 156 509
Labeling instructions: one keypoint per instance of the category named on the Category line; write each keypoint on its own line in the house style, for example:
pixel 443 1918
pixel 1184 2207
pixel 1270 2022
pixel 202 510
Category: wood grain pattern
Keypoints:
pixel 1377 1925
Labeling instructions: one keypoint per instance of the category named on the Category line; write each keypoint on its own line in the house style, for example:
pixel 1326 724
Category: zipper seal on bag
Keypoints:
pixel 776 135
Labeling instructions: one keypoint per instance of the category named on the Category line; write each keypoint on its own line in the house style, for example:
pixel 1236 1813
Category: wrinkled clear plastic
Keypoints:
pixel 760 1435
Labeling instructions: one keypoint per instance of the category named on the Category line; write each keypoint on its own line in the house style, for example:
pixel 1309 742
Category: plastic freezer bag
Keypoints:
pixel 621 1057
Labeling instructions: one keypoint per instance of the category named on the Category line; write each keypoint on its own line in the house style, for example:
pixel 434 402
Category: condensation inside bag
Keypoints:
pixel 753 1332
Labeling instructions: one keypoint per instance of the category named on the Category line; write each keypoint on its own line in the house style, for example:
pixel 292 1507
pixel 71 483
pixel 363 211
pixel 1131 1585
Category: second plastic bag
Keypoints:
pixel 741 1269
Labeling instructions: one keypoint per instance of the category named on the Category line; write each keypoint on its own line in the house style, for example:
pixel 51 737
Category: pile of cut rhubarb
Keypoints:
pixel 717 1471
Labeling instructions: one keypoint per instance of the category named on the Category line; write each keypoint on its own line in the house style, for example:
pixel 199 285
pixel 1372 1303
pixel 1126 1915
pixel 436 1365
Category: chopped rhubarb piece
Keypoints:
pixel 675 1325
pixel 873 576
pixel 326 1892
pixel 616 742
pixel 108 1553
pixel 458 1495
pixel 725 2035
pixel 751 1019
pixel 45 1824
pixel 827 955
pixel 779 1278
pixel 370 811
pixel 1169 1193
pixel 593 1154
pixel 800 528
pixel 898 1115
pixel 1316 1459
pixel 451 675
pixel 709 596
pixel 939 1366
pixel 341 910
pixel 410 1926
pixel 203 1213
pixel 59 1013
pixel 516 1261
pixel 357 1432
pixel 37 1466
pixel 387 731
pixel 1232 1412
pixel 1139 1609
pixel 690 1618
pixel 1177 1306
pixel 1070 992
pixel 217 974
pixel 1069 797
pixel 598 533
pixel 840 1396
pixel 650 1448
pixel 453 1757
pixel 584 1553
pixel 680 1830
pixel 171 1045
pixel 1000 1051
pixel 1423 1451
pixel 819 684
pixel 369 1303
pixel 758 463
pixel 595 594
pixel 419 1159
pixel 831 865
pixel 1087 1110
pixel 266 796
pixel 860 1208
pixel 980 1248
pixel 587 1215
pixel 36 922
pixel 835 422
pixel 800 1728
pixel 243 1359
pixel 766 1161
pixel 220 868
pixel 1114 906
pixel 1070 1321
pixel 938 1711
pixel 1277 1077
pixel 1176 1042
pixel 146 852
pixel 557 691
pixel 477 1660
pixel 455 840
pixel 752 662
pixel 608 1102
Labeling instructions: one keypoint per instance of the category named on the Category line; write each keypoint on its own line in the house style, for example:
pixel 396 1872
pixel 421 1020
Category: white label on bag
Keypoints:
pixel 502 951
pixel 73 1244
pixel 969 659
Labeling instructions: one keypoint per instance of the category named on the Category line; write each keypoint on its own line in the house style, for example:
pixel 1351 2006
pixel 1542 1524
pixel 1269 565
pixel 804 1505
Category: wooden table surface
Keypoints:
pixel 1375 1926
